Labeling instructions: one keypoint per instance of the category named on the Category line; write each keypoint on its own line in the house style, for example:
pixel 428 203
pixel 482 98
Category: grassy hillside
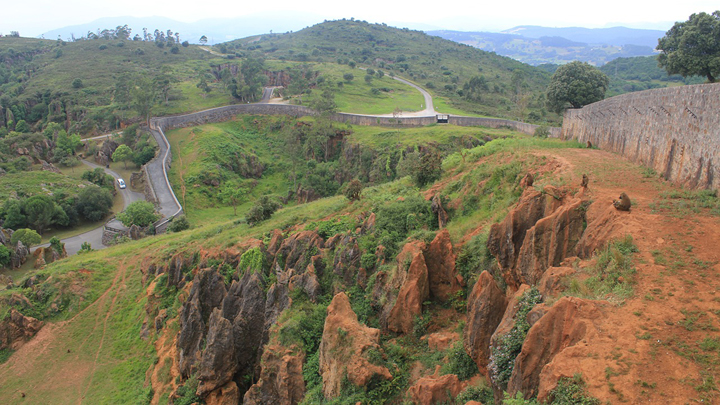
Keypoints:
pixel 282 156
pixel 84 85
pixel 443 66
pixel 641 73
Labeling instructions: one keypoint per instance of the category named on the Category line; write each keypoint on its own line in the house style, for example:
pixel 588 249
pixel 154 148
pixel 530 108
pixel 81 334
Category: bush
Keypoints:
pixel 77 84
pixel 56 245
pixel 481 393
pixel 262 210
pixel 424 167
pixel 460 363
pixel 179 224
pixel 5 255
pixel 542 131
pixel 502 357
pixel 140 213
pixel 353 190
pixel 28 237
pixel 571 391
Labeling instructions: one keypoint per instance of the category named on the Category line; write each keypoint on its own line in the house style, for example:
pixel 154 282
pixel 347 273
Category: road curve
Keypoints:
pixel 429 107
pixel 157 172
pixel 94 237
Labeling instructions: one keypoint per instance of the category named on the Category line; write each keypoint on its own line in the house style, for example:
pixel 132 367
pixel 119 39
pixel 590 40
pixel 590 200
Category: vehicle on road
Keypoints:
pixel 121 183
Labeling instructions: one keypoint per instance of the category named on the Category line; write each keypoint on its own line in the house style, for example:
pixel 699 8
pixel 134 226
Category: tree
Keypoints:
pixel 99 178
pixel 142 98
pixel 28 237
pixel 692 47
pixel 348 77
pixel 203 40
pixel 122 153
pixel 5 255
pixel 77 83
pixel 353 190
pixel 232 194
pixel 262 210
pixel 12 214
pixel 577 84
pixel 325 104
pixel 42 212
pixel 94 203
pixel 140 213
pixel 22 127
pixel 424 167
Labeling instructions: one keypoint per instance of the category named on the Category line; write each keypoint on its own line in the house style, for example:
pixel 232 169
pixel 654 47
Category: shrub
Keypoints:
pixel 56 244
pixel 542 131
pixel 186 393
pixel 611 276
pixel 140 213
pixel 28 237
pixel 481 393
pixel 460 363
pixel 179 224
pixel 571 391
pixel 5 255
pixel 353 190
pixel 262 210
pixel 86 247
pixel 502 357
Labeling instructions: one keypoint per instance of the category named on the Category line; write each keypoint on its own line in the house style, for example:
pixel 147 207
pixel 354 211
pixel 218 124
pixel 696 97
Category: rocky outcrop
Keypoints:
pixel 281 380
pixel 347 258
pixel 228 394
pixel 438 210
pixel 568 322
pixel 296 250
pixel 435 389
pixel 343 349
pixel 16 329
pixel 20 255
pixel 307 282
pixel 485 308
pixel 206 294
pixel 550 241
pixel 218 364
pixel 244 307
pixel 538 233
pixel 551 284
pixel 49 167
pixel 442 275
pixel 414 291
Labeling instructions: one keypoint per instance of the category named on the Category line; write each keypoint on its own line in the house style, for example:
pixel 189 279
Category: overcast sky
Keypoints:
pixel 32 18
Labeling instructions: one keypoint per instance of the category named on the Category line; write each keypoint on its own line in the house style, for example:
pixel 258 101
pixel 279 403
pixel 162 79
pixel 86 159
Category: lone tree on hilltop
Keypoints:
pixel 692 47
pixel 577 84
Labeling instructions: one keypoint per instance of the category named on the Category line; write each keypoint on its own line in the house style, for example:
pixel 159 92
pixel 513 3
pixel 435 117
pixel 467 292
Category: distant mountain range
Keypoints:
pixel 534 45
pixel 539 45
pixel 216 30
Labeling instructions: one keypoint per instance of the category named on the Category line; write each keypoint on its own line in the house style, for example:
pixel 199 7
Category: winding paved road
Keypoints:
pixel 94 237
pixel 168 204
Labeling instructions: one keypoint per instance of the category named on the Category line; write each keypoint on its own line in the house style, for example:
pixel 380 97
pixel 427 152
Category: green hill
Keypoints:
pixel 503 87
pixel 86 85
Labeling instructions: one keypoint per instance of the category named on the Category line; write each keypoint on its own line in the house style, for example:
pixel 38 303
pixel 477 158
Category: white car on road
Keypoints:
pixel 121 183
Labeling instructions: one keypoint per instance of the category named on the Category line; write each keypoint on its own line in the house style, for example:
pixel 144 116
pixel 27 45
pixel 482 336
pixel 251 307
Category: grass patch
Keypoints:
pixel 611 277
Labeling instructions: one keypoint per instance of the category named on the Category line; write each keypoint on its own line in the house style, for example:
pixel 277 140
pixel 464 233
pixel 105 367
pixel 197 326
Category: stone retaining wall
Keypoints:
pixel 228 112
pixel 675 131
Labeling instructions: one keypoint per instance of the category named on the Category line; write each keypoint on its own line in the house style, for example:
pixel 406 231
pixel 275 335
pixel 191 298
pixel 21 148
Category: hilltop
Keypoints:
pixel 502 87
